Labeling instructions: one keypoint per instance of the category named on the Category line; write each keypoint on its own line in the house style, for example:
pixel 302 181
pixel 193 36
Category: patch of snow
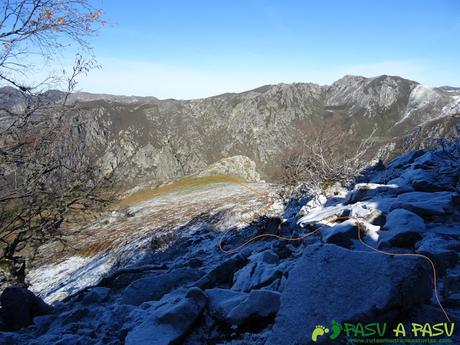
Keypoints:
pixel 376 185
pixel 453 107
pixel 358 210
pixel 421 96
pixel 59 280
pixel 450 109
pixel 55 282
pixel 315 204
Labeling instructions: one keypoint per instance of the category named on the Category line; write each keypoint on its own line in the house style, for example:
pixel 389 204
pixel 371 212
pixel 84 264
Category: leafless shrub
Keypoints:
pixel 45 172
pixel 323 156
pixel 40 28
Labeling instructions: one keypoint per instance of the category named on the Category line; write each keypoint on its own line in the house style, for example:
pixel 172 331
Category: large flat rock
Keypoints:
pixel 333 283
pixel 152 288
pixel 426 203
pixel 402 229
pixel 168 322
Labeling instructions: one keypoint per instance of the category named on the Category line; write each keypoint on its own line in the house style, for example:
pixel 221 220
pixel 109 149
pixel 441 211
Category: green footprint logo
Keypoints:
pixel 318 332
pixel 336 329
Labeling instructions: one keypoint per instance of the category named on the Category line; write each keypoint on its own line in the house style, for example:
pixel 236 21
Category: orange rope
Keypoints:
pixel 261 236
pixel 413 255
pixel 316 230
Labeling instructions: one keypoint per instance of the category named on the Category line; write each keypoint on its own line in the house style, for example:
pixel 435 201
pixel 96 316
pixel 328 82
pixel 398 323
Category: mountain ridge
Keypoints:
pixel 167 139
pixel 101 95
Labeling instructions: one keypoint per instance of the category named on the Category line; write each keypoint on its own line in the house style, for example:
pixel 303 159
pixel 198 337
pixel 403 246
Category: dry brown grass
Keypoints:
pixel 186 184
pixel 183 184
pixel 94 248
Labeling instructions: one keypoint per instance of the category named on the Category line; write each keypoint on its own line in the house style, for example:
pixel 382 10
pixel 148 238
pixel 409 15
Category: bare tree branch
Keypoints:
pixel 44 167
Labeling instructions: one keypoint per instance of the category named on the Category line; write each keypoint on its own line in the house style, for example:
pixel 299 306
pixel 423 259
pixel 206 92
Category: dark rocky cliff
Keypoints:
pixel 171 138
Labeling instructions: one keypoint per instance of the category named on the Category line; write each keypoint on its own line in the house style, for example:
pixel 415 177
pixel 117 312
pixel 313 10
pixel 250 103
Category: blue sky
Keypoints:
pixel 190 49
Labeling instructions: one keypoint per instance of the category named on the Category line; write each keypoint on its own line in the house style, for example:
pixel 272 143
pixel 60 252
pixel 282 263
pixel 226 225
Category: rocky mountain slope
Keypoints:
pixel 171 138
pixel 180 275
pixel 165 139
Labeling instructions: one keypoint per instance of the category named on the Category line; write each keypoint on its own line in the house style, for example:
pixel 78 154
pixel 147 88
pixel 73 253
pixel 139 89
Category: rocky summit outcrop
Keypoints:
pixel 237 166
pixel 166 139
pixel 197 287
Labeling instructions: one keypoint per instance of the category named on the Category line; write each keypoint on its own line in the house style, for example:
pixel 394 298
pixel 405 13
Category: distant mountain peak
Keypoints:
pixel 173 138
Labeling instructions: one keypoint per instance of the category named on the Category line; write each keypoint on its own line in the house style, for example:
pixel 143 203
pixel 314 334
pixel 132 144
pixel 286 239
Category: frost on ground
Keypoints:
pixel 146 225
pixel 163 279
